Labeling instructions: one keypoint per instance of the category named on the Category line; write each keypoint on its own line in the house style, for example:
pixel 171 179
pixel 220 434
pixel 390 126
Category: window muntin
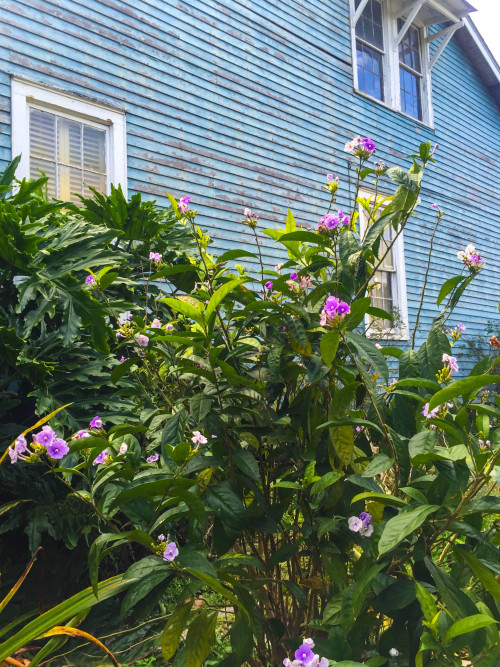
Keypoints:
pixel 388 284
pixel 370 50
pixel 410 72
pixel 71 152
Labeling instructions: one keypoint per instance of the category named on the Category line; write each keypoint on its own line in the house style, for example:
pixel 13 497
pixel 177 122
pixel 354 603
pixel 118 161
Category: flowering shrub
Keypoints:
pixel 274 459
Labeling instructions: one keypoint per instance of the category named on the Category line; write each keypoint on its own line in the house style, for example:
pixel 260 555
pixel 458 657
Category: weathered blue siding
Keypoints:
pixel 250 102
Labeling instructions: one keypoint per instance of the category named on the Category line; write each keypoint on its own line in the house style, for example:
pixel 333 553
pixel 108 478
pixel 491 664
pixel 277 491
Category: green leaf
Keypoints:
pixel 217 586
pixel 402 525
pixel 62 612
pixel 343 443
pixel 462 387
pixel 121 369
pixel 245 461
pixel 328 346
pixel 200 637
pixel 447 287
pixel 186 309
pixel 174 627
pixel 422 443
pixel 382 498
pixel 303 236
pixel 226 504
pixel 427 603
pixel 282 554
pixel 404 179
pixel 199 406
pixel 484 574
pixel 220 294
pixel 469 624
pixel 326 481
pixel 234 254
pixel 380 463
pixel 372 354
pixel 173 431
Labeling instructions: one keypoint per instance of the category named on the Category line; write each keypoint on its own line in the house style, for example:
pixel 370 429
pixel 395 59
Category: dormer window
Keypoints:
pixel 391 49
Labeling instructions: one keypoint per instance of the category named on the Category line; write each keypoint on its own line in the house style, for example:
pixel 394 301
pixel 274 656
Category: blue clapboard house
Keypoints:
pixel 250 102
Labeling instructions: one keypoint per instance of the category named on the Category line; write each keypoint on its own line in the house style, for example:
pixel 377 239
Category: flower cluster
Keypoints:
pixel 250 218
pixel 183 204
pixel 362 524
pixel 304 657
pixel 331 221
pixel 456 333
pixel 45 441
pixel 332 184
pixel 167 549
pixel 298 283
pixel 362 147
pixel 333 310
pixel 430 414
pixel 155 257
pixel 450 366
pixel 471 258
pixel 484 444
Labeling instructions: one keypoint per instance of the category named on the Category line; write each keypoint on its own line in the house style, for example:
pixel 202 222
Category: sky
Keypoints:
pixel 487 19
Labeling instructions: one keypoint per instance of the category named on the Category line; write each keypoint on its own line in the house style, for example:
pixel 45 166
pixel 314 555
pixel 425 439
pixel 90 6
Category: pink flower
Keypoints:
pixel 155 257
pixel 329 177
pixel 269 285
pixel 184 204
pixel 153 458
pixel 123 449
pixel 81 434
pixel 247 213
pixel 156 324
pixel 16 452
pixel 430 414
pixel 142 340
pixel 198 438
pixel 169 327
pixel 45 437
pixel 451 362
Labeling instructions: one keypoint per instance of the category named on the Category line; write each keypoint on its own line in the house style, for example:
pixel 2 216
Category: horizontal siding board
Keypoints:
pixel 249 103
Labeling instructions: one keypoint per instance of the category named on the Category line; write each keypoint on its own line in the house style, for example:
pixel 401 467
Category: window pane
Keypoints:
pixel 49 169
pixel 382 295
pixel 94 149
pixel 69 142
pixel 409 48
pixel 410 93
pixel 70 183
pixel 42 134
pixel 370 71
pixel 369 26
pixel 91 179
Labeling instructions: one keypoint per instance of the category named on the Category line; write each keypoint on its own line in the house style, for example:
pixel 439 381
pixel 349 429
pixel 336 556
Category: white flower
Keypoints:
pixel 394 652
pixel 278 267
pixel 366 531
pixel 470 249
pixel 124 317
pixel 123 448
pixel 355 524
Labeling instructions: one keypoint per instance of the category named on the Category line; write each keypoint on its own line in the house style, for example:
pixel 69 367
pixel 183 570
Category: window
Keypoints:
pixel 391 57
pixel 388 284
pixel 77 144
pixel 370 50
pixel 410 72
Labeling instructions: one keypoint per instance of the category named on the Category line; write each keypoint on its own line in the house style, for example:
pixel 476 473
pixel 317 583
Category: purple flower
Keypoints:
pixel 329 177
pixel 282 328
pixel 358 429
pixel 162 538
pixel 362 524
pixel 169 327
pixel 430 414
pixel 153 458
pixel 20 446
pixel 461 327
pixel 57 449
pixel 369 144
pixel 269 285
pixel 156 324
pixel 304 653
pixel 294 276
pixel 90 280
pixel 184 204
pixel 343 308
pixel 451 362
pixel 45 437
pixel 96 422
pixel 435 205
pixel 81 434
pixel 100 458
pixel 333 308
pixel 171 552
pixel 155 257
pixel 328 222
pixel 122 359
pixel 142 340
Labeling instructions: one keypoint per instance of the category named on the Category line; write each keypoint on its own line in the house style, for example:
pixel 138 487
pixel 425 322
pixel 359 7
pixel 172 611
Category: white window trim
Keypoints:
pixel 392 92
pixel 26 94
pixel 401 301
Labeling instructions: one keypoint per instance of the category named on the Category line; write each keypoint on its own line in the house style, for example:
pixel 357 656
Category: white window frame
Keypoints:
pixel 391 83
pixel 27 95
pixel 400 297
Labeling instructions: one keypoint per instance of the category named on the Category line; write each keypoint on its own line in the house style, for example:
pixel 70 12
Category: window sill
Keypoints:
pixel 398 111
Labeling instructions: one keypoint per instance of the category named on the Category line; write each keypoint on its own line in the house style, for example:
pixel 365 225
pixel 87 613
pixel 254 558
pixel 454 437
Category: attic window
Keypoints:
pixel 391 48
